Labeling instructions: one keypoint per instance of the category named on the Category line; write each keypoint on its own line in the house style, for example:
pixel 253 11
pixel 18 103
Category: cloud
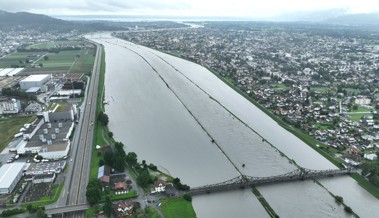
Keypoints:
pixel 255 8
pixel 91 6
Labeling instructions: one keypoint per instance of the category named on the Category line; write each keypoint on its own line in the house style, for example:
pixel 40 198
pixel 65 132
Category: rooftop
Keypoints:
pixel 35 78
pixel 55 131
pixel 45 167
pixel 8 172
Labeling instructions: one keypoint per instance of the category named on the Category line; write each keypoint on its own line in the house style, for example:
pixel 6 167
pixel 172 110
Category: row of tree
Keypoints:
pixel 19 94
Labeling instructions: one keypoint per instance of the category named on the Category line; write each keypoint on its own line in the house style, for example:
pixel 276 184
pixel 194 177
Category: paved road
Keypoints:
pixel 77 177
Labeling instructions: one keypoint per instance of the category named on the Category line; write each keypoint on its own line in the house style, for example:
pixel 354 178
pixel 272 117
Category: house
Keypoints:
pixel 170 190
pixel 124 208
pixel 370 156
pixel 120 186
pixel 159 185
pixel 104 175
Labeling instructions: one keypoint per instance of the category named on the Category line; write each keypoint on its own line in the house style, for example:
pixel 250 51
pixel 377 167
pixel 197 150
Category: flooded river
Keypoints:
pixel 181 117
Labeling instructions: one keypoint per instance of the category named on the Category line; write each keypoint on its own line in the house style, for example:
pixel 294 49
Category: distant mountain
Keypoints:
pixel 356 19
pixel 24 21
pixel 310 16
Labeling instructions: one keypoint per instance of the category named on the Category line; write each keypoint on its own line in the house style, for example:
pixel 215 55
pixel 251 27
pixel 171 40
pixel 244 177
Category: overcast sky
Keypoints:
pixel 240 8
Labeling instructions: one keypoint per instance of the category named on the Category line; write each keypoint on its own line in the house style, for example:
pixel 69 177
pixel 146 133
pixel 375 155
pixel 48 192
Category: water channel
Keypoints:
pixel 181 117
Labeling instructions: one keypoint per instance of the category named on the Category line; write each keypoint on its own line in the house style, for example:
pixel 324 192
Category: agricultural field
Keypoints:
pixel 42 45
pixel 18 57
pixel 72 61
pixel 54 44
pixel 64 61
pixel 84 63
pixel 9 126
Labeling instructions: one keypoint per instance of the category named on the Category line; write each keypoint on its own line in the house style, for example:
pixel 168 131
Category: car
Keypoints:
pixel 70 160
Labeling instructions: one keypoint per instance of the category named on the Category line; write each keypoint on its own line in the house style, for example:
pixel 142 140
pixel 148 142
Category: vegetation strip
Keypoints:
pixel 264 203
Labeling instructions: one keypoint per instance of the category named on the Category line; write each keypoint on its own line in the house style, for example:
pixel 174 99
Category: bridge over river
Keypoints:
pixel 244 181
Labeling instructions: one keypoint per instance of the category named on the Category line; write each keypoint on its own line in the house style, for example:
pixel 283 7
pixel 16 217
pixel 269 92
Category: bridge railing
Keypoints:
pixel 243 181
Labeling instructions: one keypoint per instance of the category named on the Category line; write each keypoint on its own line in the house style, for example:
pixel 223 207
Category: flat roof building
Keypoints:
pixel 10 175
pixel 35 81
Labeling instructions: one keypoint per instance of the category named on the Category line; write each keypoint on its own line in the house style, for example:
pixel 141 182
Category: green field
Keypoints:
pixel 84 63
pixel 42 45
pixel 357 117
pixel 61 59
pixel 9 126
pixel 73 61
pixel 177 207
pixel 323 89
pixel 15 58
pixel 70 61
pixel 54 44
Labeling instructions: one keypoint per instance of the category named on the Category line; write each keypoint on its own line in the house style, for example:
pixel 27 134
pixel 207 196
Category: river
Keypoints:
pixel 168 110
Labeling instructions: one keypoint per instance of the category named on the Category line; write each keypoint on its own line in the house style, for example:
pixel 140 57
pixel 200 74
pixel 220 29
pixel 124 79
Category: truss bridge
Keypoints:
pixel 244 181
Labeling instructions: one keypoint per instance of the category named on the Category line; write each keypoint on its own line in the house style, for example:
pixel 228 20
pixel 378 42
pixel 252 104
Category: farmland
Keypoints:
pixel 9 126
pixel 65 56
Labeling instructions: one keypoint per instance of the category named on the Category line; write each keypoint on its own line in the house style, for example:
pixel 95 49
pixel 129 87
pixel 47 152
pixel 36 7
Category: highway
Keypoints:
pixel 77 177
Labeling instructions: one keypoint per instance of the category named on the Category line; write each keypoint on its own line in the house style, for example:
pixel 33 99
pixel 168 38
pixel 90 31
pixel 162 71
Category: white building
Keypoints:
pixel 10 175
pixel 33 81
pixel 159 186
pixel 43 178
pixel 10 106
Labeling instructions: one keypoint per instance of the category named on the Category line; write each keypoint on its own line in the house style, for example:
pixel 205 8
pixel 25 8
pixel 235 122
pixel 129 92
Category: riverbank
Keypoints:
pixel 310 141
pixel 174 207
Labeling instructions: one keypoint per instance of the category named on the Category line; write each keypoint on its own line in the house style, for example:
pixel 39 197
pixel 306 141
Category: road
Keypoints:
pixel 74 190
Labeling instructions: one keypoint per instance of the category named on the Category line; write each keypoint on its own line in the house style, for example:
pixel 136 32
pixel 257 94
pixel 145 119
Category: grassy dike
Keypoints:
pixel 98 137
pixel 264 203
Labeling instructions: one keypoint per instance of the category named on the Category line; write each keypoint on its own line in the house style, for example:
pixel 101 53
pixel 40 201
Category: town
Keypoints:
pixel 320 82
pixel 44 82
pixel 312 77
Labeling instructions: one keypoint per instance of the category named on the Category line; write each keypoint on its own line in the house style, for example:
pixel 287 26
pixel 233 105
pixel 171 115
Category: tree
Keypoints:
pixel 110 134
pixel 187 197
pixel 131 158
pixel 108 157
pixel 39 157
pixel 103 118
pixel 143 178
pixel 108 206
pixel 101 162
pixel 152 167
pixel 30 208
pixel 40 64
pixel 339 199
pixel 118 163
pixel 93 192
pixel 40 213
pixel 46 58
pixel 348 209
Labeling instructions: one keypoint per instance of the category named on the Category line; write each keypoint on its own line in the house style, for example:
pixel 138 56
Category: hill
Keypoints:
pixel 371 19
pixel 24 21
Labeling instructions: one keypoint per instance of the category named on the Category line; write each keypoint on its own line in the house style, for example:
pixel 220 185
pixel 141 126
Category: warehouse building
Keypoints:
pixel 36 82
pixel 10 175
pixel 10 106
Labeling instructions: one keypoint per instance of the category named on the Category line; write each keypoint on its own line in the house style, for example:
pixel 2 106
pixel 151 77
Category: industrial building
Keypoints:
pixel 10 175
pixel 36 82
pixel 49 136
pixel 10 106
